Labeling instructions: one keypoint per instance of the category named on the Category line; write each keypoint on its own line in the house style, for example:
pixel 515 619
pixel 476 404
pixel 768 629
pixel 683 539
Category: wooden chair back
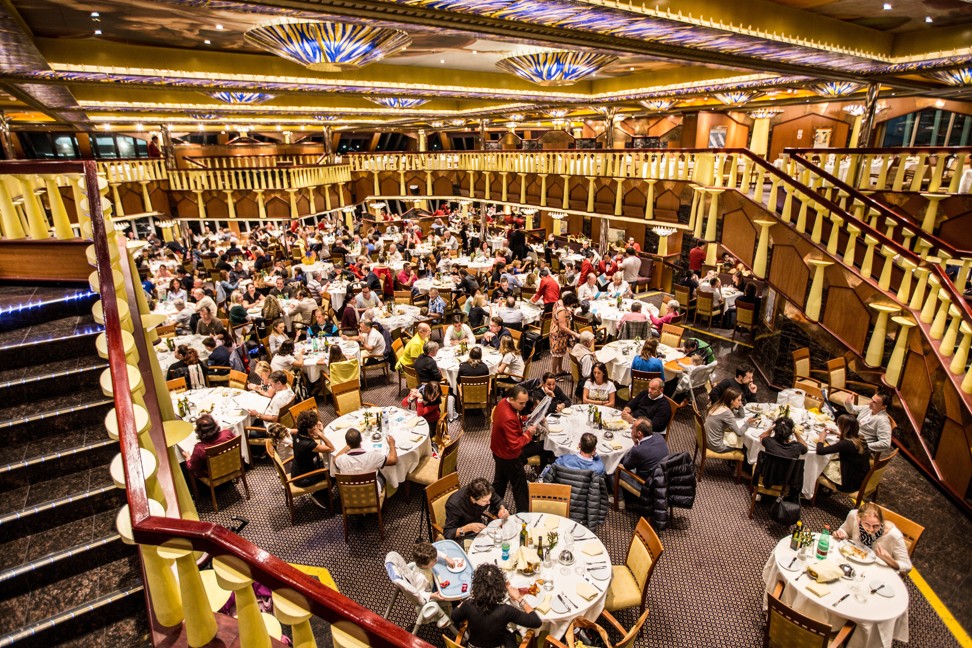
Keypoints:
pixel 673 406
pixel 237 379
pixel 801 363
pixel 177 385
pixel 449 459
pixel 475 391
pixel 347 397
pixel 516 335
pixel 643 555
pixel 682 295
pixel 436 495
pixel 411 377
pixel 671 335
pixel 787 628
pixel 359 493
pixel 224 461
pixel 631 330
pixel 640 380
pixel 168 330
pixel 302 406
pixel 628 637
pixel 873 478
pixel 550 498
pixel 745 317
pixel 910 529
pixel 704 306
pixel 837 373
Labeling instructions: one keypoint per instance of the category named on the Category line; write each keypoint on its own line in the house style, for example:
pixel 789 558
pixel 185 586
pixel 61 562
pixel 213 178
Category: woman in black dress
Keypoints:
pixel 488 615
pixel 854 459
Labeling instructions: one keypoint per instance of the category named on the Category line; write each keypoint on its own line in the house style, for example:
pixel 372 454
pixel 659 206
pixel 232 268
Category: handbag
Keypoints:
pixel 783 511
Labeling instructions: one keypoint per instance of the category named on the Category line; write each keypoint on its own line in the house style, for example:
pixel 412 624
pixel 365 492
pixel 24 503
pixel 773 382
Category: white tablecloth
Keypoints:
pixel 287 308
pixel 531 312
pixel 405 315
pixel 607 310
pixel 423 285
pixel 229 408
pixel 565 435
pixel 595 569
pixel 880 620
pixel 168 309
pixel 314 360
pixel 473 265
pixel 166 357
pixel 337 291
pixel 321 267
pixel 411 441
pixel 617 357
pixel 729 294
pixel 448 360
pixel 813 465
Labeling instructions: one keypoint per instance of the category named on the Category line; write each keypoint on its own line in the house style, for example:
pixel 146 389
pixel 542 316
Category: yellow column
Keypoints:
pixel 772 201
pixel 200 204
pixel 834 240
pixel 907 235
pixel 928 310
pixel 200 620
pixel 760 139
pixel 590 193
pixel 62 224
pixel 566 192
pixel 896 363
pixel 176 431
pixel 543 189
pixel 875 348
pixel 401 183
pixel 947 347
pixel 963 275
pixel 856 132
pixel 311 200
pixel 291 608
pixel 292 194
pixel 918 296
pixel 758 190
pixel 762 248
pixel 619 196
pixel 234 574
pixel 787 214
pixel 904 290
pixel 428 183
pixel 230 204
pixel 146 198
pixel 486 186
pixel 801 223
pixel 377 188
pixel 818 220
pixel 119 208
pixel 261 204
pixel 931 211
pixel 851 250
pixel 938 324
pixel 36 220
pixel 711 227
pixel 504 185
pixel 698 205
pixel 962 354
pixel 160 580
pixel 884 283
pixel 967 382
pixel 557 225
pixel 868 262
pixel 650 199
pixel 922 248
pixel 663 245
pixel 9 219
pixel 815 299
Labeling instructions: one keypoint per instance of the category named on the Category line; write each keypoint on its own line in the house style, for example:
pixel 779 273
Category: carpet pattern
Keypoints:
pixel 706 590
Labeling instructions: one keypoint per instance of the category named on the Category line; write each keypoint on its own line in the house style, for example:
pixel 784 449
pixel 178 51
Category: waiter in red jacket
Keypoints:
pixel 507 442
pixel 548 290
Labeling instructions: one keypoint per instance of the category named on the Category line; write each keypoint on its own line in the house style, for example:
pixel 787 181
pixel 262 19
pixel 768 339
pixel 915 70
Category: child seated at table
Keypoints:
pixel 417 580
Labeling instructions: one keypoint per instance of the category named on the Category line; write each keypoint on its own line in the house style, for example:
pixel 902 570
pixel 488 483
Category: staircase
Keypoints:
pixel 66 578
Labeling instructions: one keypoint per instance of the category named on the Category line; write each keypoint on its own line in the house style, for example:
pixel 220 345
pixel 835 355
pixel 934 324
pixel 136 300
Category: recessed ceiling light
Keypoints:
pixel 219 27
pixel 442 61
pixel 97 32
pixel 95 14
pixel 475 52
pixel 928 19
pixel 630 69
pixel 887 6
pixel 208 42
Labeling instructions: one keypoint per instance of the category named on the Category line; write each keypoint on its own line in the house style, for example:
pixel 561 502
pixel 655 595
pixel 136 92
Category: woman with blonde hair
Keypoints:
pixel 723 432
pixel 867 526
pixel 259 380
pixel 271 309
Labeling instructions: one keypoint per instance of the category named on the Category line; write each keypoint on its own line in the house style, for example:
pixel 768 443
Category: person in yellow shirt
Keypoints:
pixel 415 346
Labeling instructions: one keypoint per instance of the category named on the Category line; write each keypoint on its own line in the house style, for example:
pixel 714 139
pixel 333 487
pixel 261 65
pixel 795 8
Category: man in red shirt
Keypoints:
pixel 548 290
pixel 507 442
pixel 697 256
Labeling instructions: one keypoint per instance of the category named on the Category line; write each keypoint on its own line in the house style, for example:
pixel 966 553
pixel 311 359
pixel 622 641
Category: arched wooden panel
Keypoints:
pixel 847 316
pixel 953 457
pixel 916 387
pixel 739 236
pixel 790 274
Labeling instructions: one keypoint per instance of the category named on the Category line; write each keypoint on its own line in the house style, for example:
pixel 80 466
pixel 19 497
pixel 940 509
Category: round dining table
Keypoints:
pixel 229 406
pixel 167 358
pixel 448 360
pixel 566 428
pixel 410 431
pixel 580 584
pixel 607 309
pixel 402 316
pixel 531 312
pixel 881 616
pixel 315 359
pixel 444 284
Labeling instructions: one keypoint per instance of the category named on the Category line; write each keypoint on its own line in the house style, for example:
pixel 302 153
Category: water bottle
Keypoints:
pixel 823 545
pixel 385 421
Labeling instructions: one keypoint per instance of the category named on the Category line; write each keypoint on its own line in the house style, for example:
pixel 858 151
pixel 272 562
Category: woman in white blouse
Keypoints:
pixel 278 336
pixel 511 362
pixel 457 332
pixel 868 527
pixel 599 390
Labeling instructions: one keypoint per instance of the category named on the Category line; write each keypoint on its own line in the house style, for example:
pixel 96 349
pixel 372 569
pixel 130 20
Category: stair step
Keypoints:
pixel 37 517
pixel 21 307
pixel 24 384
pixel 96 611
pixel 93 449
pixel 51 341
pixel 58 565
pixel 53 415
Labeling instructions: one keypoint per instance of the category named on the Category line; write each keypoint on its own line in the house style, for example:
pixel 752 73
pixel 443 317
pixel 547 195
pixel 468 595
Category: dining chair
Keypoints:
pixel 595 633
pixel 290 418
pixel 705 308
pixel 291 490
pixel 640 380
pixel 237 379
pixel 526 641
pixel 745 318
pixel 628 637
pixel 517 335
pixel 403 296
pixel 360 496
pixel 629 582
pixel 217 375
pixel 868 487
pixel 700 449
pixel 910 529
pixel 625 479
pixel 786 628
pixel 802 371
pixel 166 331
pixel 177 385
pixel 475 392
pixel 632 330
pixel 436 495
pixel 398 348
pixel 671 335
pixel 837 383
pixel 380 367
pixel 682 296
pixel 550 498
pixel 224 463
pixel 757 485
pixel 347 397
pixel 411 377
pixel 431 469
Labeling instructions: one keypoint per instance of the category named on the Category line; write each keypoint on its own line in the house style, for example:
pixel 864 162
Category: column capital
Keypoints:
pixel 884 308
pixel 904 322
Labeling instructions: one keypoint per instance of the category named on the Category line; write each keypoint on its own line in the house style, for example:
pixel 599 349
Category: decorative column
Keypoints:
pixel 874 356
pixel 176 431
pixel 922 247
pixel 962 354
pixel 374 177
pixel 543 189
pixel 815 299
pixel 292 194
pixel 619 196
pixel 119 208
pixel 311 201
pixel 523 186
pixel 566 204
pixel 931 211
pixel 772 201
pixel 10 225
pixel 62 224
pixel 918 296
pixel 928 310
pixel 230 204
pixel 200 204
pixel 711 234
pixel 487 175
pixel 36 219
pixel 650 200
pixel 896 363
pixel 836 221
pixel 200 620
pixel 663 233
pixel 867 264
pixel 904 290
pixel 851 250
pixel 884 282
pixel 906 235
pixel 146 198
pixel 762 248
pixel 801 223
pixel 234 574
pixel 160 580
pixel 590 194
pixel 938 324
pixel 504 174
pixel 423 144
pixel 291 608
pixel 787 215
pixel 947 347
pixel 819 217
pixel 698 209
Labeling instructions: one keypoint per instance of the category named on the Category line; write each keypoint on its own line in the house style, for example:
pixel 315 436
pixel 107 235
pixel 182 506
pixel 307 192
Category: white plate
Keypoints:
pixel 788 560
pixel 601 573
pixel 871 557
pixel 885 591
pixel 459 567
pixel 580 532
pixel 557 606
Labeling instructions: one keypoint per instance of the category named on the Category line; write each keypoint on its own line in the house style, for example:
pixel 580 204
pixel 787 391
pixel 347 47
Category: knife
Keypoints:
pixel 877 589
pixel 790 566
pixel 840 600
pixel 571 601
pixel 561 599
pixel 539 517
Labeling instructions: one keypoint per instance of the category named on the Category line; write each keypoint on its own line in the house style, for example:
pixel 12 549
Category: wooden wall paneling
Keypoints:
pixel 667 201
pixel 555 191
pixel 216 205
pixel 512 186
pixel 277 206
pixel 18 260
pixel 246 207
pixel 953 457
pixel 916 386
pixel 790 274
pixel 578 194
pixel 441 185
pixel 957 229
pixel 388 183
pixel 847 317
pixel 633 202
pixel 739 236
pixel 785 134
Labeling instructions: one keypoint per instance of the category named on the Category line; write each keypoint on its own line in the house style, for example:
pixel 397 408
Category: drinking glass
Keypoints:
pixel 548 579
pixel 859 589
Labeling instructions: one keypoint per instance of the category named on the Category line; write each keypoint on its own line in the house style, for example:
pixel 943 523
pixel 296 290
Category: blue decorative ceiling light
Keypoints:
pixel 555 68
pixel 956 77
pixel 325 118
pixel 203 116
pixel 328 46
pixel 252 98
pixel 658 105
pixel 397 102
pixel 834 89
pixel 736 97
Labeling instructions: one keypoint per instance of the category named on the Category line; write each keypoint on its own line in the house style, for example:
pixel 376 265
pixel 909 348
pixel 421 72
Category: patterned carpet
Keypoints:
pixel 705 592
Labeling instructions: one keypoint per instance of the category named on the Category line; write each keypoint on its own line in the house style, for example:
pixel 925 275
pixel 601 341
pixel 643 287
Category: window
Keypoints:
pixel 125 146
pixel 928 127
pixel 353 143
pixel 104 146
pixel 48 146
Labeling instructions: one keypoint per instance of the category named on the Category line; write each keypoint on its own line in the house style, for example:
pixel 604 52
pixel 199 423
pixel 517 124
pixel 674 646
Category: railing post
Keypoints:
pixel 931 211
pixel 820 215
pixel 36 220
pixel 200 620
pixel 762 248
pixel 62 224
pixel 815 299
pixel 160 581
pixel 868 262
pixel 590 193
pixel 874 356
pixel 938 324
pixel 10 225
pixel 904 290
pixel 884 283
pixel 928 310
pixel 711 226
pixel 918 296
pixel 851 250
pixel 832 243
pixel 291 608
pixel 947 347
pixel 962 354
pixel 963 274
pixel 897 360
pixel 787 215
pixel 234 574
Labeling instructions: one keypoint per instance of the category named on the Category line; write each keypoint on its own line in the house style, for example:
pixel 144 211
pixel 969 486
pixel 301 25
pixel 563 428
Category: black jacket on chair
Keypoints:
pixel 672 484
pixel 588 493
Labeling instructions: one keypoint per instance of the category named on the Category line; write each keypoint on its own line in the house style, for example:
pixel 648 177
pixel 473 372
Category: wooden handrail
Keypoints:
pixel 898 150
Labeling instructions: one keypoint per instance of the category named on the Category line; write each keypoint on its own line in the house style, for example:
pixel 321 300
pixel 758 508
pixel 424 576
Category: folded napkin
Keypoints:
pixel 593 549
pixel 556 428
pixel 552 523
pixel 615 445
pixel 543 606
pixel 341 425
pixel 415 421
pixel 825 571
pixel 417 437
pixel 820 589
pixel 586 590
